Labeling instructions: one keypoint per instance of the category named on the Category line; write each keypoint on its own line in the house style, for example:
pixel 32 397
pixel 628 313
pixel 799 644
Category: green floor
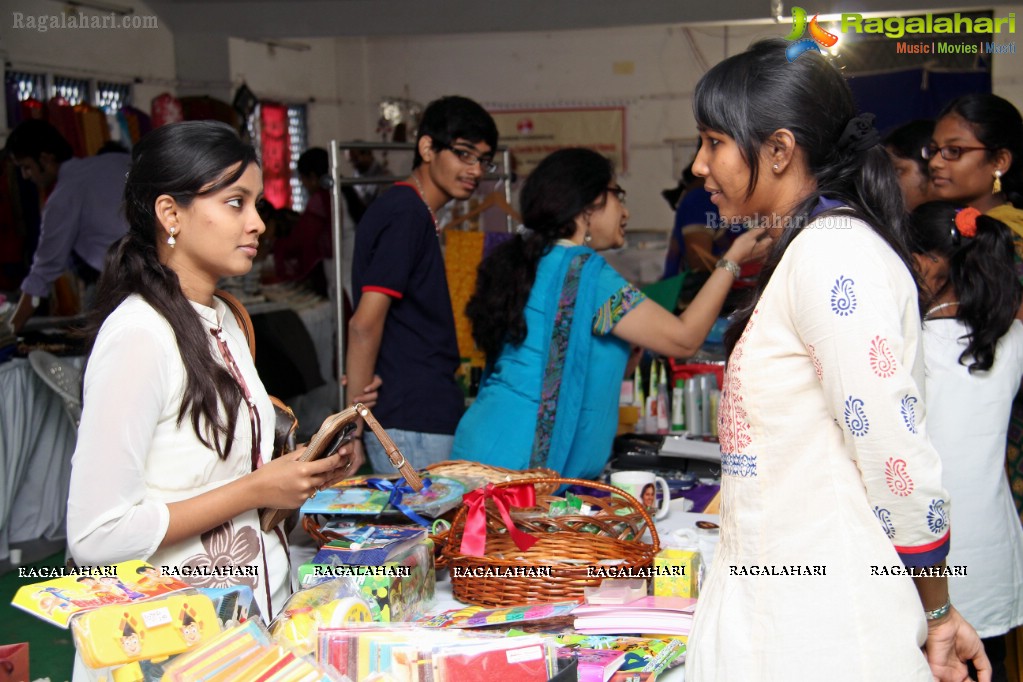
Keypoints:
pixel 51 651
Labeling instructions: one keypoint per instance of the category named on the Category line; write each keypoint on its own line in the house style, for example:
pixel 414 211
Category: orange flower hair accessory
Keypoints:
pixel 966 221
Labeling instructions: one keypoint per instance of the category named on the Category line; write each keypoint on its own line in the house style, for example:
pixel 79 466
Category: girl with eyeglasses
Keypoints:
pixel 976 159
pixel 556 323
pixel 973 353
pixel 981 165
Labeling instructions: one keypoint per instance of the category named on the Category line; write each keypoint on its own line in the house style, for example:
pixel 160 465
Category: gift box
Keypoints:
pixel 675 573
pixel 398 590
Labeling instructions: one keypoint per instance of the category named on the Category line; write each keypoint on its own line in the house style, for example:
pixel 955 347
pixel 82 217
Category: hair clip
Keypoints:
pixel 966 221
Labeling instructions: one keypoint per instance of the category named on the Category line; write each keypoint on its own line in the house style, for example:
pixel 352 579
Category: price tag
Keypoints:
pixel 156 617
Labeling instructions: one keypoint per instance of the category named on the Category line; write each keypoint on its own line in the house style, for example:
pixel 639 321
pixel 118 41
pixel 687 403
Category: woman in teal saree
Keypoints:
pixel 556 323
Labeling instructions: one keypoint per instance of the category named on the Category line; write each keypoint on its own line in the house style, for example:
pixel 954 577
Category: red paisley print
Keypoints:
pixel 733 420
pixel 882 361
pixel 816 362
pixel 897 477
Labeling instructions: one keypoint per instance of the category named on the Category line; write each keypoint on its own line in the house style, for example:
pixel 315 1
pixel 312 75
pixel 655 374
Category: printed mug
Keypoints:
pixel 643 486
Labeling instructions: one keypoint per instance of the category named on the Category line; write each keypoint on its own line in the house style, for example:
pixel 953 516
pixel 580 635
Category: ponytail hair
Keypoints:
pixel 981 272
pixel 753 94
pixel 563 186
pixel 183 160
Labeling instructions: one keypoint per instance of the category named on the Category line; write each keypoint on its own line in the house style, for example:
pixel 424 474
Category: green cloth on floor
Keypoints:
pixel 51 650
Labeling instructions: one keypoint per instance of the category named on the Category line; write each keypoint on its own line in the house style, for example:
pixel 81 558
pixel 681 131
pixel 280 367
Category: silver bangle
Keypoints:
pixel 939 612
pixel 731 266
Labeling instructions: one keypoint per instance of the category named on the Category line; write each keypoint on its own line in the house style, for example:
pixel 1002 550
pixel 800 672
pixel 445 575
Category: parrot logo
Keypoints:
pixel 818 36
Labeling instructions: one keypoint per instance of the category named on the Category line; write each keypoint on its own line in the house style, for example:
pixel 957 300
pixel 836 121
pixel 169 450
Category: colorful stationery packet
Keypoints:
pixel 85 588
pixel 419 655
pixel 479 616
pixel 244 652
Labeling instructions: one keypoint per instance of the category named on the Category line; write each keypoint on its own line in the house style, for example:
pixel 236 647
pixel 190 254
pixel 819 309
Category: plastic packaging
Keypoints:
pixel 694 407
pixel 156 628
pixel 678 407
pixel 662 402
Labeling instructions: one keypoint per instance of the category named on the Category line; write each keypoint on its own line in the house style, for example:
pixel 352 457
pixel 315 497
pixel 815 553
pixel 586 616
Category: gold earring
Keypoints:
pixel 996 188
pixel 171 241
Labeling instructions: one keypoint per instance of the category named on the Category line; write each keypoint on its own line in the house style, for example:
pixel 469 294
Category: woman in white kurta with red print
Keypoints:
pixel 829 484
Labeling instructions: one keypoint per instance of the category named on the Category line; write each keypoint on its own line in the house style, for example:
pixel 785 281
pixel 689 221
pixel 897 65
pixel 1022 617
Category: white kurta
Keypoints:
pixel 969 417
pixel 825 466
pixel 133 458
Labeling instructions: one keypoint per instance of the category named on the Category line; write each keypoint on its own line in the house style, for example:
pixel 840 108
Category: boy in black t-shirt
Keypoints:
pixel 403 328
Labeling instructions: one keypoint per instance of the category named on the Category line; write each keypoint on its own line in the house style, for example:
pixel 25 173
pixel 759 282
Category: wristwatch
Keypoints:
pixel 726 264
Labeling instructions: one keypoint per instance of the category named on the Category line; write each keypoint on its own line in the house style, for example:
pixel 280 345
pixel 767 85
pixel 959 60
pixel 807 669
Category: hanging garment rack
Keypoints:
pixel 337 181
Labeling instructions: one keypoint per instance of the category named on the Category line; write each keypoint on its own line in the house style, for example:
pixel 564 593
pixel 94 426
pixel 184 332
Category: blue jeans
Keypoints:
pixel 419 448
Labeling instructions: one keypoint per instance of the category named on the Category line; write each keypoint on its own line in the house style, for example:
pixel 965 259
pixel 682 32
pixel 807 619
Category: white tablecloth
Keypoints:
pixel 37 440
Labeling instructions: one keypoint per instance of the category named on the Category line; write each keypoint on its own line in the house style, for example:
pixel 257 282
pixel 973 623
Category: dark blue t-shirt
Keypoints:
pixel 397 253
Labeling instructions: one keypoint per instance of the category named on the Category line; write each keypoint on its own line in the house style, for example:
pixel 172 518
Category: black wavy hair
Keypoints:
pixel 564 185
pixel 752 95
pixel 183 160
pixel 998 125
pixel 907 140
pixel 981 273
pixel 450 118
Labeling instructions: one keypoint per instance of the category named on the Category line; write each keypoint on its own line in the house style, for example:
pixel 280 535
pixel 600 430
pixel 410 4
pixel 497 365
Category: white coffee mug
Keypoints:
pixel 641 485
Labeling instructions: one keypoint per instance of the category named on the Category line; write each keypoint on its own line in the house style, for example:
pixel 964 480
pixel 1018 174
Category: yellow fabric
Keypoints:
pixel 462 255
pixel 1011 216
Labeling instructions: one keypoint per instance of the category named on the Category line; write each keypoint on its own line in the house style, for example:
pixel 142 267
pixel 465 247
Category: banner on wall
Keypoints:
pixel 532 134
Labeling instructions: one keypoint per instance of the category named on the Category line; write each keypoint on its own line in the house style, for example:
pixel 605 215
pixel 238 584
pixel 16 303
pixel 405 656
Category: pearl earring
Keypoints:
pixel 587 238
pixel 171 241
pixel 776 166
pixel 996 188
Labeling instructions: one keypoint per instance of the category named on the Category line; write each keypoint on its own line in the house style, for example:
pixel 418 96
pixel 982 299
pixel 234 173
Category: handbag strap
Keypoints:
pixel 241 315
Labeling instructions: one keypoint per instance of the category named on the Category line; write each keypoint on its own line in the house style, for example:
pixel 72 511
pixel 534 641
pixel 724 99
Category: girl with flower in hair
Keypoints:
pixel 973 353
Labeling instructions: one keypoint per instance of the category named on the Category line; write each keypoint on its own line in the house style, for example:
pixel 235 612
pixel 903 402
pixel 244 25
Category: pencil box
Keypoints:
pixel 146 630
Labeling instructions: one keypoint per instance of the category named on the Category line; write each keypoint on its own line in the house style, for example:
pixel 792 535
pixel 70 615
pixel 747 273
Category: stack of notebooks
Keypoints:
pixel 658 615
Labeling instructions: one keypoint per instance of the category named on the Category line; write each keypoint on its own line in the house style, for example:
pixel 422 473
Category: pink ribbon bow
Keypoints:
pixel 474 537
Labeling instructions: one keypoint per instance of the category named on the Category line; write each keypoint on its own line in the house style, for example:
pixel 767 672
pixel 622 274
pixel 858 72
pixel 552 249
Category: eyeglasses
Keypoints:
pixel 470 158
pixel 618 192
pixel 950 152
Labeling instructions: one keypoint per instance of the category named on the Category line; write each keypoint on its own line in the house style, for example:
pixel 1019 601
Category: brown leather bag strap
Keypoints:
pixel 398 460
pixel 242 316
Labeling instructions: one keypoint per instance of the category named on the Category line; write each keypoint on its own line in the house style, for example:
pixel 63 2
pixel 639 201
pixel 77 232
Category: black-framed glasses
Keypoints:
pixel 471 158
pixel 618 192
pixel 950 152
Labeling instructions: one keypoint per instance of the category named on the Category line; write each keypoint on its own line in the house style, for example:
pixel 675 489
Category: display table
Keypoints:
pixel 37 440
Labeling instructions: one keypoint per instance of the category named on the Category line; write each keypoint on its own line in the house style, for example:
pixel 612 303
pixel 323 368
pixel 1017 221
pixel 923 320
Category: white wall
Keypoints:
pixel 117 54
pixel 651 70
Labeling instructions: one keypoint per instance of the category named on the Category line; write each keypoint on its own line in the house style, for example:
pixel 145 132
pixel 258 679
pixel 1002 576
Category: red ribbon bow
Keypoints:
pixel 474 537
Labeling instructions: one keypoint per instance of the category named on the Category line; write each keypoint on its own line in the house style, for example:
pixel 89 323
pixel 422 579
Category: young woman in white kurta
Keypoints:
pixel 173 457
pixel 830 488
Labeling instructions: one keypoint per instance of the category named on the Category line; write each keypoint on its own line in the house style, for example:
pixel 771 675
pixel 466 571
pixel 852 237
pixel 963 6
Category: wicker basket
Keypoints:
pixel 460 468
pixel 569 546
pixel 454 468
